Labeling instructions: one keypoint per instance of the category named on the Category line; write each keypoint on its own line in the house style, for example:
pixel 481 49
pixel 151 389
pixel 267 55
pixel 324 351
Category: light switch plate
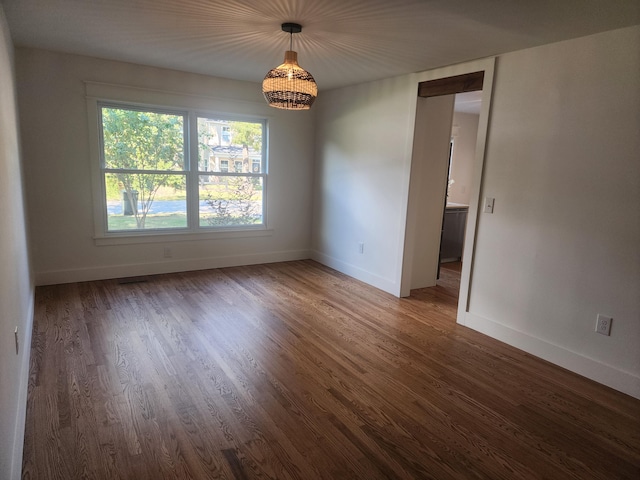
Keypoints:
pixel 488 205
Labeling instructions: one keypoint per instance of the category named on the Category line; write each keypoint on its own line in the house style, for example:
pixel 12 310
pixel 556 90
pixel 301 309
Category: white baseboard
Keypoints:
pixel 608 375
pixel 168 266
pixel 357 273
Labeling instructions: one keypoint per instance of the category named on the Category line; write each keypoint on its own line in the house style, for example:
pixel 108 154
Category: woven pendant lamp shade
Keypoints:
pixel 289 86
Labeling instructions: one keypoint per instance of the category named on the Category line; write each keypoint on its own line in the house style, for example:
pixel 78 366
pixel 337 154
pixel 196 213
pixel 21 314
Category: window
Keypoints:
pixel 232 198
pixel 155 178
pixel 226 135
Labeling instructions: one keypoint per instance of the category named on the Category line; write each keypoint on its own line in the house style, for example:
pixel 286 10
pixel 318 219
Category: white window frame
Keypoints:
pixel 186 171
pixel 99 95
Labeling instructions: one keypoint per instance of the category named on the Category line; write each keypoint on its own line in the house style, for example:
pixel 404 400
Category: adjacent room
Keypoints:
pixel 407 250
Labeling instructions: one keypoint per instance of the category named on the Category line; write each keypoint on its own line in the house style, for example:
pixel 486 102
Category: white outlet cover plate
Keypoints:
pixel 603 325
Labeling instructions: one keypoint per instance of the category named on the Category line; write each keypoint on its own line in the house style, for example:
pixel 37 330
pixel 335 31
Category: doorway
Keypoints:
pixel 464 132
pixel 428 177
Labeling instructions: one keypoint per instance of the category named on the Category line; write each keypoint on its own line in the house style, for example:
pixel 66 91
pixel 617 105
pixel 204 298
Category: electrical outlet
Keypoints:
pixel 361 247
pixel 167 252
pixel 603 325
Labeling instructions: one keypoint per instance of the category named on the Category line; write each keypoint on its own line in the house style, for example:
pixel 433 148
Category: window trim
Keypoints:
pixel 193 106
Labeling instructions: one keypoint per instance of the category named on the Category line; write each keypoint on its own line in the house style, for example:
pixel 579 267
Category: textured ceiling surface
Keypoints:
pixel 343 42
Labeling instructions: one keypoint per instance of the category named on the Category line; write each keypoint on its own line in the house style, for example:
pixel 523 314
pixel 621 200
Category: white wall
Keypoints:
pixel 465 133
pixel 363 156
pixel 16 286
pixel 56 150
pixel 563 164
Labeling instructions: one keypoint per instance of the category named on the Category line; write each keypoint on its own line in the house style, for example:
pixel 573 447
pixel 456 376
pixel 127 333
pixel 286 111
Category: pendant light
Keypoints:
pixel 289 86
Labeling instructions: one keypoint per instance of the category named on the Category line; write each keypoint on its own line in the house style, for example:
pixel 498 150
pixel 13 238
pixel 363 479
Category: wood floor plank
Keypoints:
pixel 295 371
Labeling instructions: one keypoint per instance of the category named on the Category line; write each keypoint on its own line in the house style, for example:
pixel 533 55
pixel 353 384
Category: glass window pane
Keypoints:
pixel 137 201
pixel 226 145
pixel 227 201
pixel 141 140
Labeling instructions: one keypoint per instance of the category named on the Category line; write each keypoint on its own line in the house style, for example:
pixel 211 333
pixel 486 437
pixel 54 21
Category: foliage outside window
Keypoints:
pixel 152 182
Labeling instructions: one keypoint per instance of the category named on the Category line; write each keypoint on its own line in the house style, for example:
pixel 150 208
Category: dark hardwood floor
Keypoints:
pixel 294 371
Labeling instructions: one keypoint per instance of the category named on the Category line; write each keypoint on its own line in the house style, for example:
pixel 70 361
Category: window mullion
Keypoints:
pixel 147 172
pixel 193 177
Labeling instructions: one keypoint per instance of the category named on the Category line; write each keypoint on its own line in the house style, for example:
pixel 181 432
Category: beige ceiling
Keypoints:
pixel 343 42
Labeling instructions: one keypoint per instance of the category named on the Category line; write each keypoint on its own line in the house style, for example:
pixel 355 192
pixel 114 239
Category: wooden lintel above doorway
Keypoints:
pixel 469 82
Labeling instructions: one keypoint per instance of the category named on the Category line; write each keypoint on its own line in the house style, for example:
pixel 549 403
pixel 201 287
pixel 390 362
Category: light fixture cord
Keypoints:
pixel 291 39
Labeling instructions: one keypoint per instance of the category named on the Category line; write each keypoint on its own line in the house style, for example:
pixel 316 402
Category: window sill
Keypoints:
pixel 126 238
